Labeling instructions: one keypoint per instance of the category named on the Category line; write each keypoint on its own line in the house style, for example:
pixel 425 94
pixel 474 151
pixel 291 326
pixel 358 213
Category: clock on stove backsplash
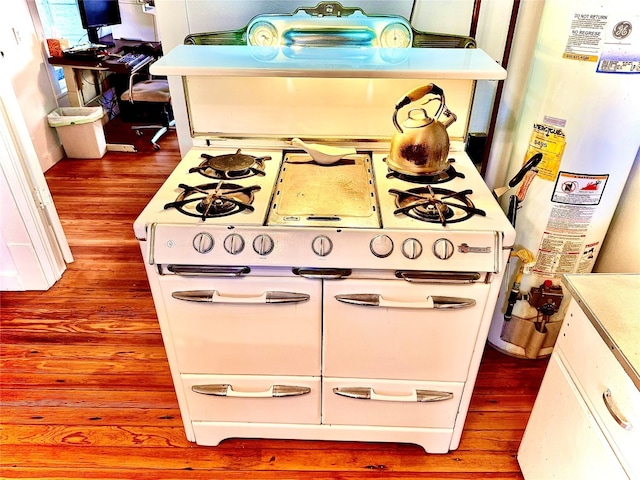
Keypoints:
pixel 329 24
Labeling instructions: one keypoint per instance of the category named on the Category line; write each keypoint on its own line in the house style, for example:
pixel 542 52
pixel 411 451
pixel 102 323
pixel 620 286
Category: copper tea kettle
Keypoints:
pixel 421 144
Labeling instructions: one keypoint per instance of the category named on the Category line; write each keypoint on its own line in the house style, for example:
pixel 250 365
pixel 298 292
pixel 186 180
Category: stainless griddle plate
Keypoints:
pixel 338 195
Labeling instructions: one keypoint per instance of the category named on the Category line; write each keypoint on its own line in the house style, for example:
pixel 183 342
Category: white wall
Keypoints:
pixel 621 248
pixel 25 55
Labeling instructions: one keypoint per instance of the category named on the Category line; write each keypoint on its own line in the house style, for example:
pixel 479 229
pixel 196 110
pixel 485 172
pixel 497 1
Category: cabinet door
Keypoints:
pixel 562 439
pixel 607 389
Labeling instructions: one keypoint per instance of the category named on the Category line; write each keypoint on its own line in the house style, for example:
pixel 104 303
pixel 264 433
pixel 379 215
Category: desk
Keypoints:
pixel 74 70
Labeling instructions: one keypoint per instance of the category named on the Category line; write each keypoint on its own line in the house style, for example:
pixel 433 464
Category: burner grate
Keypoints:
pixel 435 205
pixel 442 176
pixel 214 200
pixel 230 166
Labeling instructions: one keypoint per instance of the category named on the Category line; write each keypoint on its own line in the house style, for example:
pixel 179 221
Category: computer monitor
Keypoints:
pixel 96 14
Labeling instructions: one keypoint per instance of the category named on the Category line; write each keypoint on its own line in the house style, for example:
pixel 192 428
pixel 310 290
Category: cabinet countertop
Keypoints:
pixel 612 304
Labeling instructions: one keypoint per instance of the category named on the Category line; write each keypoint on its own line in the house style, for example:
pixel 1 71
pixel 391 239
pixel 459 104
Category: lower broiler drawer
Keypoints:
pixel 390 403
pixel 256 399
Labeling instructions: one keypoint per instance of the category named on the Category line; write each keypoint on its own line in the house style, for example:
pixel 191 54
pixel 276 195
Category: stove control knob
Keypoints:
pixel 411 248
pixel 203 242
pixel 381 246
pixel 443 248
pixel 322 245
pixel 234 244
pixel 263 245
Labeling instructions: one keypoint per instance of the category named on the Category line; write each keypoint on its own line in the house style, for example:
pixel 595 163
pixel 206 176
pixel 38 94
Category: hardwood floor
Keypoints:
pixel 85 385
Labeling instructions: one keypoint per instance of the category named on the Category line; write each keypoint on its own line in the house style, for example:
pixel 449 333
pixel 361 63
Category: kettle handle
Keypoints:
pixel 416 94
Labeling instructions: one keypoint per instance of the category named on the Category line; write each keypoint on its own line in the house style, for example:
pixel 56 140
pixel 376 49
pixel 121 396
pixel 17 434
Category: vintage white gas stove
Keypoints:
pixel 299 300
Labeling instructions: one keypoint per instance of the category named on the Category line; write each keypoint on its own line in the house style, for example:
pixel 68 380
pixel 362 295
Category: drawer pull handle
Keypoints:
pixel 213 296
pixel 367 393
pixel 432 301
pixel 615 412
pixel 226 390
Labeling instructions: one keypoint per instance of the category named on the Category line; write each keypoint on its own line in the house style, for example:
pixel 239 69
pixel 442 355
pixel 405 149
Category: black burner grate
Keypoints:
pixel 230 166
pixel 435 205
pixel 213 200
pixel 442 176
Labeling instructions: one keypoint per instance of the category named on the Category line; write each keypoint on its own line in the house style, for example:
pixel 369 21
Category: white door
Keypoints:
pixel 33 248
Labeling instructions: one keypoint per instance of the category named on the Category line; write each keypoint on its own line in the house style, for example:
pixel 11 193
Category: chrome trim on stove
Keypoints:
pixel 152 242
pixel 208 270
pixel 423 276
pixel 497 257
pixel 322 273
pixel 466 248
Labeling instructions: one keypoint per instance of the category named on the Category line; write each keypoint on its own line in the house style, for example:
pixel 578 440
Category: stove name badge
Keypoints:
pixel 466 248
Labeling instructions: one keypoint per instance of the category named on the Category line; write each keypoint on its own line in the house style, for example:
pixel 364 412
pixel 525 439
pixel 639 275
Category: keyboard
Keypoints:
pixel 127 62
pixel 131 59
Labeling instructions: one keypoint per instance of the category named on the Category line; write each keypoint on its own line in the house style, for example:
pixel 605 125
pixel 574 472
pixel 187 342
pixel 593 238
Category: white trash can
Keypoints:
pixel 80 131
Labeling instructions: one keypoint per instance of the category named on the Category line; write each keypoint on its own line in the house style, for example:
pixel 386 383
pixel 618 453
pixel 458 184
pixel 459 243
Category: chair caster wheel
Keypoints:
pixel 139 133
pixel 156 147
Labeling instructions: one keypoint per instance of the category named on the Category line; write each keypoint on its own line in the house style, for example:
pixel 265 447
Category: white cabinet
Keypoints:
pixel 586 420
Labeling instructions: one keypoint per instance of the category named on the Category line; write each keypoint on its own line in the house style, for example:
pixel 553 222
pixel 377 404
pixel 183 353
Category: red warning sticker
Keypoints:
pixel 579 189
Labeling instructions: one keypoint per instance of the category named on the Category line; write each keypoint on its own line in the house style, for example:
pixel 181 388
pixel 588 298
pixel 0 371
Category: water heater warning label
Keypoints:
pixel 606 34
pixel 579 189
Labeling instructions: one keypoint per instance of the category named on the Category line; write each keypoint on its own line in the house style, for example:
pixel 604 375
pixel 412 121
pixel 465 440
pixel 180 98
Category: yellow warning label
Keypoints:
pixel 550 141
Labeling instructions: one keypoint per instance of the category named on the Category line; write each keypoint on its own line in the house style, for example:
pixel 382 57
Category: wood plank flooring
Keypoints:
pixel 85 386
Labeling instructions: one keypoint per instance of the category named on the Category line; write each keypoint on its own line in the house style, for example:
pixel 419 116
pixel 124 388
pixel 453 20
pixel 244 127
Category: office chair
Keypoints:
pixel 147 94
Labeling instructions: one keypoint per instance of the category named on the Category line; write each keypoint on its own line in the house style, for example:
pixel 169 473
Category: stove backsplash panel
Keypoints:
pixel 285 107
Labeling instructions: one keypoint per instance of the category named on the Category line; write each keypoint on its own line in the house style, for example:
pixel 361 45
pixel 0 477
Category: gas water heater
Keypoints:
pixel 581 112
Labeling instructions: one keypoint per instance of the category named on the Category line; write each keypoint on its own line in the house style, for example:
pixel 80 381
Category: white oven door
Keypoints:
pixel 244 325
pixel 416 331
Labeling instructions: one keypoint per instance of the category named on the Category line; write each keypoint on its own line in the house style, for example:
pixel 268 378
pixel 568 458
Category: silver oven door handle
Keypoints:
pixel 213 296
pixel 367 393
pixel 226 390
pixel 435 301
